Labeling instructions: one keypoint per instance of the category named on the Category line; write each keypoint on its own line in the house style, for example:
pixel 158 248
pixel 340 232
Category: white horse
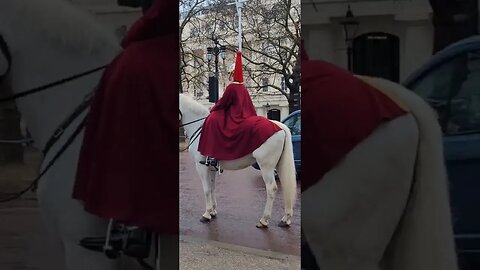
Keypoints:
pixel 275 153
pixel 50 40
pixel 385 205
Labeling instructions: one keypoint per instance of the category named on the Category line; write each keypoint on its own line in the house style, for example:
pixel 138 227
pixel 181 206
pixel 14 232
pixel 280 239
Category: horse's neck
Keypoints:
pixel 190 129
pixel 36 63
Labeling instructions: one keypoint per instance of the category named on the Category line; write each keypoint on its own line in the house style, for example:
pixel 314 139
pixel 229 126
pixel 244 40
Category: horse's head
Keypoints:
pixel 190 110
pixel 36 40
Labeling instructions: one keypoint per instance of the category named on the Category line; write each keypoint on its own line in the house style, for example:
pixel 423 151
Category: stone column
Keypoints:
pixel 418 47
pixel 319 42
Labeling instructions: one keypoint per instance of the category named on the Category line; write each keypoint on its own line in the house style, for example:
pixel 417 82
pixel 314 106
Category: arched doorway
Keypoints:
pixel 377 54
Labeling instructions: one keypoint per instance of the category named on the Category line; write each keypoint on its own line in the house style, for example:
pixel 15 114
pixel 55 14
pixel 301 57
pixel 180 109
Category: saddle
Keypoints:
pixel 120 239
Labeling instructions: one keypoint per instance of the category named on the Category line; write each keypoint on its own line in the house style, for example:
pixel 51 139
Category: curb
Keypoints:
pixel 241 249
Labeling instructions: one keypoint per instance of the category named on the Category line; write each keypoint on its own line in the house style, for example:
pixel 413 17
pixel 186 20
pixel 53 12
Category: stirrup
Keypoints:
pixel 119 240
pixel 209 161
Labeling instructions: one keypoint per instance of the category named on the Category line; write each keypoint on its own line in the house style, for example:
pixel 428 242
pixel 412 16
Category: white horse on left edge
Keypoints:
pixel 50 40
pixel 275 153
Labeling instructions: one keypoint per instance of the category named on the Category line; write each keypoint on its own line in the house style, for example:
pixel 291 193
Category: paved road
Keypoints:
pixel 24 242
pixel 241 199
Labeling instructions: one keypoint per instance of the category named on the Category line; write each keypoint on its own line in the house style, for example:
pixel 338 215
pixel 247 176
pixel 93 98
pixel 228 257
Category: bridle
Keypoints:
pixel 82 107
pixel 186 124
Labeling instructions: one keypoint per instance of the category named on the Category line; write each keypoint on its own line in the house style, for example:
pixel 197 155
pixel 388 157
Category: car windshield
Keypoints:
pixel 452 90
pixel 294 124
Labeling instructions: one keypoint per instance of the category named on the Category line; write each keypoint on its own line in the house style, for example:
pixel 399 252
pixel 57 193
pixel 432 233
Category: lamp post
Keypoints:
pixel 267 108
pixel 350 26
pixel 213 81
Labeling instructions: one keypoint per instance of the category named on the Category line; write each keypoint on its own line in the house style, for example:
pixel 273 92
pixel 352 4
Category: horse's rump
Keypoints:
pixel 341 111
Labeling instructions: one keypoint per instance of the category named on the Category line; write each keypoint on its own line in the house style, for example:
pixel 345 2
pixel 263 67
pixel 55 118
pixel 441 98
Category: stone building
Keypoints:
pixel 268 101
pixel 392 38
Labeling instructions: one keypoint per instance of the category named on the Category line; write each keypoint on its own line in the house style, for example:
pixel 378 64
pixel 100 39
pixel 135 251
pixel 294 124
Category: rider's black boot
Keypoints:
pixel 209 161
pixel 131 242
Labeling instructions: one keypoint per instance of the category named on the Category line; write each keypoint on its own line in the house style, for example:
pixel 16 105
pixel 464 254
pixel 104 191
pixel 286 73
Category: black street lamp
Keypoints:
pixel 213 80
pixel 350 27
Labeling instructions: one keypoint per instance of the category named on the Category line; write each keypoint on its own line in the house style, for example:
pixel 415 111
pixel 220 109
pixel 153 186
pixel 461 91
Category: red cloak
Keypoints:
pixel 127 165
pixel 340 111
pixel 233 129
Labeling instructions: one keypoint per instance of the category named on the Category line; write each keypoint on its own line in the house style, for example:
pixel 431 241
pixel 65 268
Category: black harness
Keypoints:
pixel 195 134
pixel 81 108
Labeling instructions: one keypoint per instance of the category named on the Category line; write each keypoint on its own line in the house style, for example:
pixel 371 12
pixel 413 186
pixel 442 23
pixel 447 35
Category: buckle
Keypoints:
pixel 58 132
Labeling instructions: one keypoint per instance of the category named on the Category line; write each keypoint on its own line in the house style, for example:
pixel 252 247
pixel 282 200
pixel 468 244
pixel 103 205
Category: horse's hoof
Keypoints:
pixel 214 216
pixel 261 225
pixel 205 220
pixel 283 224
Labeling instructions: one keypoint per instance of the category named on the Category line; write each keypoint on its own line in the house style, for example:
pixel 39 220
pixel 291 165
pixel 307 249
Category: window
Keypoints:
pixel 294 123
pixel 453 90
pixel 265 84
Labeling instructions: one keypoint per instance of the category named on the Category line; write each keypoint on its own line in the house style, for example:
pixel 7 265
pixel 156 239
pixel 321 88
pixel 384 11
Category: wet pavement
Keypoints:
pixel 24 241
pixel 241 199
pixel 26 244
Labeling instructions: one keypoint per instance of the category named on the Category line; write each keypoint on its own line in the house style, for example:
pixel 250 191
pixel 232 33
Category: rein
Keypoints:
pixel 61 128
pixel 186 124
pixel 53 139
pixel 50 85
pixel 195 134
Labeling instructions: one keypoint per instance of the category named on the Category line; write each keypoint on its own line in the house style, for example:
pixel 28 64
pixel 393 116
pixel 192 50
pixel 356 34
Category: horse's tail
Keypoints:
pixel 286 171
pixel 424 238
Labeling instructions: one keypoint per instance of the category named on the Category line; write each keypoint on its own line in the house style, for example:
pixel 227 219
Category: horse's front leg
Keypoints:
pixel 206 177
pixel 271 186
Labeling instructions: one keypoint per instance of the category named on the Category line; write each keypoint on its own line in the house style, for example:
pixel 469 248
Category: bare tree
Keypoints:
pixel 191 60
pixel 271 39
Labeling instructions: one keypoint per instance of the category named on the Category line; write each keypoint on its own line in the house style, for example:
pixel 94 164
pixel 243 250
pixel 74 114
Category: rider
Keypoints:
pixel 233 129
pixel 124 171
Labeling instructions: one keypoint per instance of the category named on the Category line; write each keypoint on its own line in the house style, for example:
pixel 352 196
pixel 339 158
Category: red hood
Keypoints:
pixel 161 18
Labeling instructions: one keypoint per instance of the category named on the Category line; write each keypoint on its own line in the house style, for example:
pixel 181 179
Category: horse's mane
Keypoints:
pixel 59 21
pixel 192 105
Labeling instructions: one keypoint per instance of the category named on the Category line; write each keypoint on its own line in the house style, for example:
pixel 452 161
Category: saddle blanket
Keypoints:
pixel 228 141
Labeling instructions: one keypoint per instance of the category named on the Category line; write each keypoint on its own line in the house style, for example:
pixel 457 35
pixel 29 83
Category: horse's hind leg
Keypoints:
pixel 213 212
pixel 350 215
pixel 268 176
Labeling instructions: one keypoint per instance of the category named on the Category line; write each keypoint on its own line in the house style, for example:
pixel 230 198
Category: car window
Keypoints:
pixel 453 90
pixel 294 123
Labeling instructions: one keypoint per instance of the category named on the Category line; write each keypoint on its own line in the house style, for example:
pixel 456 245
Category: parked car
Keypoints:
pixel 450 82
pixel 294 122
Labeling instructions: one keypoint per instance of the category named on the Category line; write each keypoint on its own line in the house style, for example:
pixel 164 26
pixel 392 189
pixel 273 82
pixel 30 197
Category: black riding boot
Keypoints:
pixel 133 242
pixel 210 162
